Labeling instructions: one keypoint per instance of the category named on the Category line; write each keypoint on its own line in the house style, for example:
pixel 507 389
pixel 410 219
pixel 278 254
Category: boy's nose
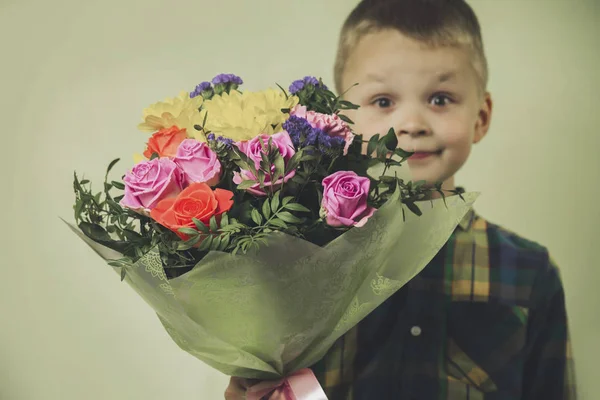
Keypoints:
pixel 413 126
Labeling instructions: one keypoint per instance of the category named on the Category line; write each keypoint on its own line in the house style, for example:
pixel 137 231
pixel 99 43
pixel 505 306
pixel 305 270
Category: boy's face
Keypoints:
pixel 429 96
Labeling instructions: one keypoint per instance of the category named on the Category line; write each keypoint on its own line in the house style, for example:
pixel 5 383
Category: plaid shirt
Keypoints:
pixel 485 320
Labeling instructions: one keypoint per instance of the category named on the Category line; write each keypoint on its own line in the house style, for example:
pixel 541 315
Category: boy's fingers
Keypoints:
pixel 237 388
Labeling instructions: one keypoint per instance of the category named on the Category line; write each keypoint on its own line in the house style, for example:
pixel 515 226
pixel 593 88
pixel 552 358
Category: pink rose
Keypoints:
pixel 253 149
pixel 198 162
pixel 330 124
pixel 151 181
pixel 345 197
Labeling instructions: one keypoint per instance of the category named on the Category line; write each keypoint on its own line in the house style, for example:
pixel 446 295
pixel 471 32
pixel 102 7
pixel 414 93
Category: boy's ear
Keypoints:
pixel 484 118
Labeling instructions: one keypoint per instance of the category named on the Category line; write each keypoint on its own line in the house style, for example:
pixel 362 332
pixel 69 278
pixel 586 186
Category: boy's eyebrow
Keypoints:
pixel 446 76
pixel 375 77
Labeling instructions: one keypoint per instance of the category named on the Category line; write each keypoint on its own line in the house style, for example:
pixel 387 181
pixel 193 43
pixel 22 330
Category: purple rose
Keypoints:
pixel 198 162
pixel 151 181
pixel 345 197
pixel 253 149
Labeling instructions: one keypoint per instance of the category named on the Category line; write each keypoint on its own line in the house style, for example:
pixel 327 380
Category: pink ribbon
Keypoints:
pixel 301 385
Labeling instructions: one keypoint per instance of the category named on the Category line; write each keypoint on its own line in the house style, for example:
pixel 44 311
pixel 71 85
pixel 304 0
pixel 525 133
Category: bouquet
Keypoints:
pixel 254 226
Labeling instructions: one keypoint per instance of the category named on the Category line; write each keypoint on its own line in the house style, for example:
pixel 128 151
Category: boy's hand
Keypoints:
pixel 238 386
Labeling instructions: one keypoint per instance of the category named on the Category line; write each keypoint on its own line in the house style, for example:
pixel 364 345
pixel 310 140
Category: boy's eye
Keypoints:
pixel 383 102
pixel 440 100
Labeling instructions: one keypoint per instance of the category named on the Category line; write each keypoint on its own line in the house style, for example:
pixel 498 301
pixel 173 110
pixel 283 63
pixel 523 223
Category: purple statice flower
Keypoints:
pixel 304 134
pixel 226 141
pixel 203 89
pixel 210 136
pixel 223 79
pixel 299 84
pixel 298 129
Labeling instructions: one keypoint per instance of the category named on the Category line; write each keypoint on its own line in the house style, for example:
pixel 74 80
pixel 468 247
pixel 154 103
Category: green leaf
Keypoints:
pixel 414 208
pixel 419 184
pixel 84 182
pixel 223 242
pixel 205 245
pixel 265 165
pixel 402 153
pixel 275 202
pixel 111 165
pixel 348 105
pixel 266 209
pixel 188 231
pixel 200 225
pixel 289 217
pixel 256 217
pixel 372 144
pixel 94 231
pixel 118 185
pixel 188 244
pixel 278 222
pixel 279 167
pixel 296 207
pixel 114 206
pixel 293 162
pixel 261 178
pixel 123 273
pixel 246 184
pixel 132 236
pixel 213 224
pixel 78 207
pixel 283 90
pixel 382 150
pixel 391 140
pixel 287 200
pixel 216 243
pixel 224 220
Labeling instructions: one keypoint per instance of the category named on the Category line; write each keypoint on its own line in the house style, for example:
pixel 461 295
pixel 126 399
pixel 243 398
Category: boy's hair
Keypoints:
pixel 433 22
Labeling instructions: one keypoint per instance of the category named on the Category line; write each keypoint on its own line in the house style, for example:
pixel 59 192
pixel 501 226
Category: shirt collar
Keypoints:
pixel 467 221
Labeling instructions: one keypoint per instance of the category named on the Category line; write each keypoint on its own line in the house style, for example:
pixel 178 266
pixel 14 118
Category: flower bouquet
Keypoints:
pixel 255 228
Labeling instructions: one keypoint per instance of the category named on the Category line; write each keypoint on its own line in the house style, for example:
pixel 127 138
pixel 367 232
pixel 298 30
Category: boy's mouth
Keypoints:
pixel 420 155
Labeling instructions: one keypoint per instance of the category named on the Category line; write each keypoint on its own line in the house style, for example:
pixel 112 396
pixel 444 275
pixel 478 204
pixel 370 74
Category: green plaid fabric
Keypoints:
pixel 485 320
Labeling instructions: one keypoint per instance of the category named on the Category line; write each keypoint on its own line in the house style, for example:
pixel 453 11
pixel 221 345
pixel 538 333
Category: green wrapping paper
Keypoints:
pixel 267 314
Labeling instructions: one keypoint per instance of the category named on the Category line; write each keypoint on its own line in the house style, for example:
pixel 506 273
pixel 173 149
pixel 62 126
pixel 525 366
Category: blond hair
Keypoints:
pixel 436 23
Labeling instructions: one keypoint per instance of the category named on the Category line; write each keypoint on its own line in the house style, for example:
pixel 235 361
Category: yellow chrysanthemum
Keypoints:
pixel 181 111
pixel 242 116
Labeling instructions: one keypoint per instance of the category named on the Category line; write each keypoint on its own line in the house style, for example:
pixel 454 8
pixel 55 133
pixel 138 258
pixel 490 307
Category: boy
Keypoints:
pixel 486 318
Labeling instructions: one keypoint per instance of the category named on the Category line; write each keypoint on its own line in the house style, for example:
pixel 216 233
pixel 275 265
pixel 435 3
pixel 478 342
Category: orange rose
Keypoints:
pixel 165 142
pixel 196 201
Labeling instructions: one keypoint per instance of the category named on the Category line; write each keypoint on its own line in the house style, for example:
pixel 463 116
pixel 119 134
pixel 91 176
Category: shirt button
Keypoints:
pixel 416 330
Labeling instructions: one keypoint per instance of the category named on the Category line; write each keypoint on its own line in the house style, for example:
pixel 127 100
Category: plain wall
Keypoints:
pixel 75 76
